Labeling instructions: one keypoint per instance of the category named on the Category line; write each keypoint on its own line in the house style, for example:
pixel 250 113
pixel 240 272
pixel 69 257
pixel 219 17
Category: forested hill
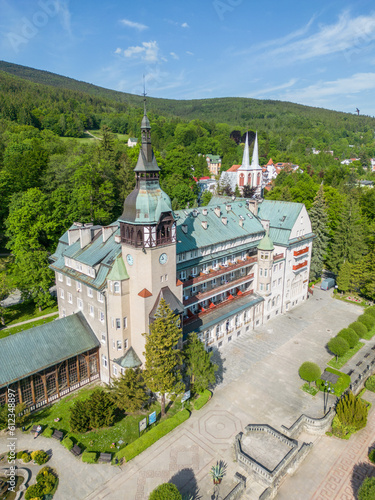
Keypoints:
pixel 234 111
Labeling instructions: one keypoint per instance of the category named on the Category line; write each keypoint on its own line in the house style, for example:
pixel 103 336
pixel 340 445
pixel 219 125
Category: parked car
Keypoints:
pixel 327 284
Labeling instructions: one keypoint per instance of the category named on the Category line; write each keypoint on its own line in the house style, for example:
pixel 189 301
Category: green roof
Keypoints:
pixel 118 271
pixel 214 158
pixel 266 244
pixel 38 348
pixel 129 359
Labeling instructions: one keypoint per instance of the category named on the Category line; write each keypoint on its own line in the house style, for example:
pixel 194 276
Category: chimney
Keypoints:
pixel 253 206
pixel 233 197
pixel 73 235
pixel 184 228
pixel 195 212
pixel 228 207
pixel 107 232
pixel 85 236
pixel 241 222
pixel 204 224
pixel 217 211
pixel 204 211
pixel 266 225
pixel 224 220
pixel 117 238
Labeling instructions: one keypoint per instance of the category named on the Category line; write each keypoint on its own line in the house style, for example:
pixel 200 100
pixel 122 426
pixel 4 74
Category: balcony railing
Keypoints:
pixel 278 256
pixel 194 317
pixel 297 253
pixel 217 289
pixel 299 266
pixel 222 270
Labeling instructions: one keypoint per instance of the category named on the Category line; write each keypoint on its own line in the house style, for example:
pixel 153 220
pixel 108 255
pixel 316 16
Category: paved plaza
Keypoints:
pixel 258 383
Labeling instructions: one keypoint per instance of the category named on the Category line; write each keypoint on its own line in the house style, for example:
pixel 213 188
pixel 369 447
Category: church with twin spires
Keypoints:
pixel 224 269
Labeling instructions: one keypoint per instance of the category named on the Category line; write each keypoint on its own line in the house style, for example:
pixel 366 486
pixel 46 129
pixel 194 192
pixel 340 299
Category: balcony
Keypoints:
pixel 213 307
pixel 278 256
pixel 217 289
pixel 297 253
pixel 222 270
pixel 300 266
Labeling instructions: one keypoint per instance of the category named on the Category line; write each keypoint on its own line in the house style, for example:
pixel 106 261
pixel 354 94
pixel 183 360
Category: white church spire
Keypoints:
pixel 246 157
pixel 255 159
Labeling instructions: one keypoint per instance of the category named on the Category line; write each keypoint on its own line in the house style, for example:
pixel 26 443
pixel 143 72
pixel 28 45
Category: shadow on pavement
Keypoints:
pixel 359 474
pixel 186 483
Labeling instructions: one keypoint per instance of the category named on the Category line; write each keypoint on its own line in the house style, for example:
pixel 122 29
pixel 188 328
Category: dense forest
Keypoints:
pixel 52 173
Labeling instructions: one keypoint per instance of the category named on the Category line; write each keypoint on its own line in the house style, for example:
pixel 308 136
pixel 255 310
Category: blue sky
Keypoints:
pixel 318 53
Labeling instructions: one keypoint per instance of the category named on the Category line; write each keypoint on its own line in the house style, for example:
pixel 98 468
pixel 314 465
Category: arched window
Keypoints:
pixel 258 179
pixel 116 287
pixel 139 238
pixel 242 179
pixel 127 234
pixel 249 179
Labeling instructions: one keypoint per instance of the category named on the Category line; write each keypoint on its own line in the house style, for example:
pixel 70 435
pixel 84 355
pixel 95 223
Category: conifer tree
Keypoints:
pixel 79 419
pixel 319 223
pixel 344 277
pixel 352 411
pixel 162 353
pixel 198 364
pixel 129 391
pixel 100 409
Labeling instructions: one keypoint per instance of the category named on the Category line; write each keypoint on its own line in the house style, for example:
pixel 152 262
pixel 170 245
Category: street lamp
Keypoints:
pixel 327 391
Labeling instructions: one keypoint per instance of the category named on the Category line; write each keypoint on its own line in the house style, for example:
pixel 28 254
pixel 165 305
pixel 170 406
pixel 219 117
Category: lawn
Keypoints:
pixel 16 329
pixel 25 311
pixel 342 383
pixel 124 429
pixel 309 389
pixel 342 360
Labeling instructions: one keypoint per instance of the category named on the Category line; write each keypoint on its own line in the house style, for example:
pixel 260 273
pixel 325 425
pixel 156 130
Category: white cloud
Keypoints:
pixel 343 87
pixel 189 53
pixel 174 55
pixel 118 50
pixel 64 15
pixel 185 25
pixel 131 24
pixel 148 51
pixel 346 35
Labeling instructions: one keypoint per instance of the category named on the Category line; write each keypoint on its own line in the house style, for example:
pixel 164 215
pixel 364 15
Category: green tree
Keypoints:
pixel 199 366
pixel 352 411
pixel 101 409
pixel 338 346
pixel 350 336
pixel 129 391
pixel 163 355
pixel 205 198
pixel 166 491
pixel 309 371
pixel 319 222
pixel 344 277
pixel 79 419
pixel 367 489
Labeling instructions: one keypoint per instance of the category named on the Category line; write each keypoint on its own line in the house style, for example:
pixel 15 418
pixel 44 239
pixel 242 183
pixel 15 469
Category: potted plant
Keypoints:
pixel 218 472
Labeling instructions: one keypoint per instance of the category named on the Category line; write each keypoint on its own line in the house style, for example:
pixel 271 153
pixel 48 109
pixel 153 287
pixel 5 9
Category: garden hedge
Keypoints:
pixel 370 310
pixel 89 457
pixel 136 447
pixel 68 443
pixel 370 383
pixel 48 432
pixel 202 400
pixel 359 328
pixel 367 320
pixel 349 335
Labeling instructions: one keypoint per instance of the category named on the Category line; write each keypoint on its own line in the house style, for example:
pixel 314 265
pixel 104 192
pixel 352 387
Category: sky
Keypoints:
pixel 319 53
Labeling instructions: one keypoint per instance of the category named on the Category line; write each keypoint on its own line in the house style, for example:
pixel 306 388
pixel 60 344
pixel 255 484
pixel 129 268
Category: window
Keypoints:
pixel 79 303
pixel 89 292
pixel 118 323
pixel 63 313
pixel 70 298
pixel 104 361
pixel 125 343
pixel 204 287
pixel 116 287
pixel 194 271
pixel 79 287
pixel 91 310
pixel 68 281
pixel 103 338
pixel 261 287
pixel 213 282
pixel 78 266
pixel 101 316
pixel 274 283
pixel 161 279
pixel 60 277
pixel 114 368
pixel 265 273
pixel 267 287
pixel 119 345
pixel 279 282
pixel 61 293
pixel 280 266
pixel 92 272
pixel 166 277
pixel 125 322
pixel 261 271
pixel 183 275
pixel 100 297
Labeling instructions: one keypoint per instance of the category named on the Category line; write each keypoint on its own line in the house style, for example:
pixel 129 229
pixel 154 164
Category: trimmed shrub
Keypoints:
pixel 359 328
pixel 19 454
pixel 371 456
pixel 40 457
pixel 309 371
pixel 26 457
pixel 89 457
pixel 48 432
pixel 68 443
pixel 338 346
pixel 367 320
pixel 370 383
pixel 370 310
pixel 202 400
pixel 136 447
pixel 34 491
pixel 166 491
pixel 367 489
pixel 42 473
pixel 349 335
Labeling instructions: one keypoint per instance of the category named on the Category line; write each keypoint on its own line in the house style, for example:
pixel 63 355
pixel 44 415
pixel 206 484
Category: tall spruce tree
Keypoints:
pixel 348 239
pixel 344 278
pixel 319 223
pixel 129 391
pixel 162 353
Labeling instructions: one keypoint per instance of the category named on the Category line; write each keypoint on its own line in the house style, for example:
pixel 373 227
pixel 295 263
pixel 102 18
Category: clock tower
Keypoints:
pixel 148 238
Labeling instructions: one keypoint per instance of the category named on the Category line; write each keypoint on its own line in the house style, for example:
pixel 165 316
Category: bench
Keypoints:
pixel 76 450
pixel 105 458
pixel 34 429
pixel 58 434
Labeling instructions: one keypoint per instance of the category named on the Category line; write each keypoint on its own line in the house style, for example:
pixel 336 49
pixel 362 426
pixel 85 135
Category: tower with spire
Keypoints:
pixel 250 174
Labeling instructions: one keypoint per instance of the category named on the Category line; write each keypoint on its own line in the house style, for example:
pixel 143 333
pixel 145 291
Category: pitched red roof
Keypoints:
pixel 270 162
pixel 179 282
pixel 145 293
pixel 233 168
